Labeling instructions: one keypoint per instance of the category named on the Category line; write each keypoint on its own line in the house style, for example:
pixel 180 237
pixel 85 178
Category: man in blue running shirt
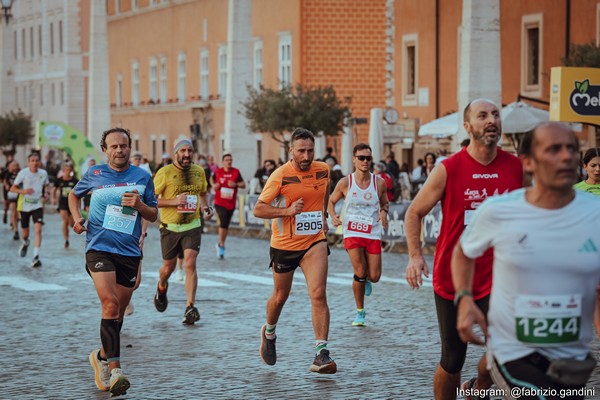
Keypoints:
pixel 122 194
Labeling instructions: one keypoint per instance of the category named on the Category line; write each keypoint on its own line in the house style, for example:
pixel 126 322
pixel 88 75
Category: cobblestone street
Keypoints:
pixel 51 315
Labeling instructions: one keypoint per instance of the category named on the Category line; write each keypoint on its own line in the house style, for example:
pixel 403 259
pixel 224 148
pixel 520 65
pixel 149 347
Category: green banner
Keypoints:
pixel 71 141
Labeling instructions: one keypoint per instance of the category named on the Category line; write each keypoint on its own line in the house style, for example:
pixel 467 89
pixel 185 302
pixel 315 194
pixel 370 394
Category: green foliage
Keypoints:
pixel 582 86
pixel 583 55
pixel 15 130
pixel 278 112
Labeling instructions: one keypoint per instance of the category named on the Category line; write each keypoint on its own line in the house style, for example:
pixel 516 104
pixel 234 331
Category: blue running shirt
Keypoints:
pixel 107 229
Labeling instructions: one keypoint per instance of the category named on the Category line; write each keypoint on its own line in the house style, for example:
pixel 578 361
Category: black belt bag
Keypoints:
pixel 571 372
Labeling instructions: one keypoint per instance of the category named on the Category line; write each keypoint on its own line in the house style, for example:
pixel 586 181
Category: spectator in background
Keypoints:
pixel 429 164
pixel 335 172
pixel 329 154
pixel 391 166
pixel 207 172
pixel 379 170
pixel 261 176
pixel 165 160
pixel 442 155
pixel 415 175
pixel 212 165
pixel 140 161
pixel 404 183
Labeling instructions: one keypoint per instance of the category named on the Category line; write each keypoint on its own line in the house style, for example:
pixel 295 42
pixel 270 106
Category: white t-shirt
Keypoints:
pixel 546 268
pixel 36 181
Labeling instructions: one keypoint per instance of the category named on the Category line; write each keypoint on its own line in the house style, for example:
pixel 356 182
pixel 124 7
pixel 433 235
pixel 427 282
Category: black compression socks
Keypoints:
pixel 110 337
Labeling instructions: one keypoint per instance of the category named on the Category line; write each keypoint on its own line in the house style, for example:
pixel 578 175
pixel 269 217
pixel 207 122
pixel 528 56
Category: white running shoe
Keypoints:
pixel 118 382
pixel 101 371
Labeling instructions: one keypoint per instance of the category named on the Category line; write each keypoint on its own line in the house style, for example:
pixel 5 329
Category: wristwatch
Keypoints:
pixel 459 295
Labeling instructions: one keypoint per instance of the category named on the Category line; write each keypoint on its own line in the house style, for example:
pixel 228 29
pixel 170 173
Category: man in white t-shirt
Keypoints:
pixel 31 185
pixel 546 269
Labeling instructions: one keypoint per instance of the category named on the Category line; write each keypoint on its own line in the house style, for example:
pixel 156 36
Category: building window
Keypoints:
pixel 53 93
pixel 163 80
pixel 60 36
pixel 134 5
pixel 531 56
pixel 31 46
pixel 62 93
pixel 163 144
pixel 15 37
pixel 25 97
pixel 119 91
pixel 51 38
pixel 117 7
pixel 222 71
pixel 136 141
pixel 410 56
pixel 204 30
pixel 285 59
pixel 204 74
pixel 153 148
pixel 181 76
pixel 41 94
pixel 17 96
pixel 135 83
pixel 40 40
pixel 23 44
pixel 258 63
pixel 153 79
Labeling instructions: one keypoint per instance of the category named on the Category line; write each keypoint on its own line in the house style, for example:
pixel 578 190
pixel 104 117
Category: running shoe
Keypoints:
pixel 360 319
pixel 220 251
pixel 16 235
pixel 129 309
pixel 160 299
pixel 267 347
pixel 23 248
pixel 35 263
pixel 191 315
pixel 368 288
pixel 118 382
pixel 101 371
pixel 323 364
pixel 469 385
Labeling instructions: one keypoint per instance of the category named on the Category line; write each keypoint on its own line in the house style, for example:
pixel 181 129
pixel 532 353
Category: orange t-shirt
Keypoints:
pixel 286 185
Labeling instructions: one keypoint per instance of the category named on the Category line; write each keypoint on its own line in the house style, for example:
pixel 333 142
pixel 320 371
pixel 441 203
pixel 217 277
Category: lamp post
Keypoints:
pixel 6 6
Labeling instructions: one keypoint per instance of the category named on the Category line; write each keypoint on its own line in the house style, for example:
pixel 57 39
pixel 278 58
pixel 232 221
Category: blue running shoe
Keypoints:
pixel 360 319
pixel 368 288
pixel 220 251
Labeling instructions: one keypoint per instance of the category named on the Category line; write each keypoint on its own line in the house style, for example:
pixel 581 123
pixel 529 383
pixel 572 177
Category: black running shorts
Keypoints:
pixel 173 244
pixel 224 216
pixel 36 215
pixel 288 260
pixel 125 267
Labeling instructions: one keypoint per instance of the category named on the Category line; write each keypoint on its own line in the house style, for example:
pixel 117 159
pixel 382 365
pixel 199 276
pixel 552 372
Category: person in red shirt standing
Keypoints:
pixel 225 181
pixel 461 182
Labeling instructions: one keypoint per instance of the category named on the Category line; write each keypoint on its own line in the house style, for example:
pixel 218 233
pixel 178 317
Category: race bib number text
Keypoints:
pixel 309 223
pixel 115 220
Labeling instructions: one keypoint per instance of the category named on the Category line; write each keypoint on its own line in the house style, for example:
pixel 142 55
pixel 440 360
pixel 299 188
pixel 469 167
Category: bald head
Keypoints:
pixel 467 111
pixel 532 139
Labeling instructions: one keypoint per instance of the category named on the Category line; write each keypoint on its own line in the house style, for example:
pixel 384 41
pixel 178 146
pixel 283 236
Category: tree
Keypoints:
pixel 278 112
pixel 583 55
pixel 15 130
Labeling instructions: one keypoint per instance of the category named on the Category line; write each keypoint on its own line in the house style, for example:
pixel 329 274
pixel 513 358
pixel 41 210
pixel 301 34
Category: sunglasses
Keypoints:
pixel 365 158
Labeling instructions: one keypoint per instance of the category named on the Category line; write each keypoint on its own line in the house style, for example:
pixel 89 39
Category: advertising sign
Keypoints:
pixel 575 95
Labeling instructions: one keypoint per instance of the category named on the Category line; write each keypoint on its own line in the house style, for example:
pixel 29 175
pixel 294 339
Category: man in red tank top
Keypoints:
pixel 461 182
pixel 225 181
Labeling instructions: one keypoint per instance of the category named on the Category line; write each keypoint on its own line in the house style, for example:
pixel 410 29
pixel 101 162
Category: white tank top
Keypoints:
pixel 361 210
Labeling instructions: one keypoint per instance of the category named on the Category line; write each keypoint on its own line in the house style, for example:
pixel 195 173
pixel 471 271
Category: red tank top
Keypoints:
pixel 226 196
pixel 468 184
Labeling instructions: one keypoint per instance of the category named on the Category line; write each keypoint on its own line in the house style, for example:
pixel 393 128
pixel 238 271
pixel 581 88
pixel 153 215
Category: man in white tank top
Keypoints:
pixel 364 217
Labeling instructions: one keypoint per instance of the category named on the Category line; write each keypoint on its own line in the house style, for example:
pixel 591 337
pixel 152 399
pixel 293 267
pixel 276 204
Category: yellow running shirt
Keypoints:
pixel 169 182
pixel 286 185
